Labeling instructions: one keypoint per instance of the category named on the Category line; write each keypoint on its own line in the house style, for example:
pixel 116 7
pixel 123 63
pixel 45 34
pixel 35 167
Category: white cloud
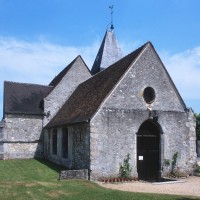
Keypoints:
pixel 184 68
pixel 129 47
pixel 37 62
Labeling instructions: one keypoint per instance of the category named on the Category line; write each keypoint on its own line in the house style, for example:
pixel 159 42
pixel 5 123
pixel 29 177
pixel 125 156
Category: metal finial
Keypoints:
pixel 111 14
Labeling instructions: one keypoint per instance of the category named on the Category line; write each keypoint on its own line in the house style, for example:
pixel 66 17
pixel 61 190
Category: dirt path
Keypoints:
pixel 189 186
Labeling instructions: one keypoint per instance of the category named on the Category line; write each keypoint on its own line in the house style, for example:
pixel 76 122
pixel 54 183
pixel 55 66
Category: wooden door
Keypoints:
pixel 148 145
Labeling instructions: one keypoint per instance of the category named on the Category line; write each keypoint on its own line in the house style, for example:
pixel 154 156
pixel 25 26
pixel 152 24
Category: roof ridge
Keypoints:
pixel 20 83
pixel 170 79
pixel 108 68
pixel 126 56
pixel 140 47
pixel 84 62
pixel 59 76
pixel 24 97
pixel 93 92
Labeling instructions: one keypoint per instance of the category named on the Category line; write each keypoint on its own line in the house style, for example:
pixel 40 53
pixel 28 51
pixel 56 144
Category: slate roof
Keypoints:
pixel 59 77
pixel 89 95
pixel 24 98
pixel 109 53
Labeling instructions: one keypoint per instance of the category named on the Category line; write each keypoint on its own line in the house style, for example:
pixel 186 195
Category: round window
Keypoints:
pixel 149 95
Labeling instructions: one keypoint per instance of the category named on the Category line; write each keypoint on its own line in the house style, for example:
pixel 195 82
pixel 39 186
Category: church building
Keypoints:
pixel 92 119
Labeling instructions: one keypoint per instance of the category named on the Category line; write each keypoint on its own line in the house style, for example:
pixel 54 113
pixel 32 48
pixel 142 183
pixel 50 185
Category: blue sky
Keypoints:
pixel 38 38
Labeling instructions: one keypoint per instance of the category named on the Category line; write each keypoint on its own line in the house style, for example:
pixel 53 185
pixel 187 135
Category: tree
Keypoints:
pixel 198 126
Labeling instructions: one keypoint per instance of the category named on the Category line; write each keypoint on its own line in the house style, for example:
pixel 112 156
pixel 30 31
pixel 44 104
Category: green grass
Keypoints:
pixel 36 179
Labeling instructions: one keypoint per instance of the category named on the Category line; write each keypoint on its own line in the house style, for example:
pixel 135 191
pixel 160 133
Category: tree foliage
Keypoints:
pixel 198 125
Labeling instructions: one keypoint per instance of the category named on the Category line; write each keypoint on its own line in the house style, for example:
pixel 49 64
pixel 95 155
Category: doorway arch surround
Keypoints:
pixel 150 151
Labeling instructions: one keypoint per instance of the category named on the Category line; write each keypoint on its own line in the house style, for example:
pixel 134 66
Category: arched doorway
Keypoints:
pixel 148 151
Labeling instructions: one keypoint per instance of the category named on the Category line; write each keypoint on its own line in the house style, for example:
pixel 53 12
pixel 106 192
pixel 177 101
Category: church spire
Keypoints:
pixel 109 51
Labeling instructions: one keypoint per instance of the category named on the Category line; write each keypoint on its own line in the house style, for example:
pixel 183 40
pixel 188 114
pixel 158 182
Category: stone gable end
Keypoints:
pixel 147 71
pixel 77 74
pixel 115 125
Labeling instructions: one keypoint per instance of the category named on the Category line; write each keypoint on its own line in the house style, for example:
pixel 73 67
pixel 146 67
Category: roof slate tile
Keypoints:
pixel 89 95
pixel 24 98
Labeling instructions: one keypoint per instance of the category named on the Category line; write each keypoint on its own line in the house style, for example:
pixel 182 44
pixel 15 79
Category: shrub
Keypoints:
pixel 174 160
pixel 197 170
pixel 125 168
pixel 197 116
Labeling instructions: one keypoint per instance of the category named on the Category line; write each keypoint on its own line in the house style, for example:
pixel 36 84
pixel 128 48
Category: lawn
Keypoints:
pixel 37 179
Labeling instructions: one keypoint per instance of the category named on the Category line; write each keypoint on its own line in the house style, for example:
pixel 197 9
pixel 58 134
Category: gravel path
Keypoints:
pixel 189 186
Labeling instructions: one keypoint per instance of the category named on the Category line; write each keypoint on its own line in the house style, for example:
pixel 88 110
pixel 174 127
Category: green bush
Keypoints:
pixel 197 170
pixel 173 172
pixel 125 169
pixel 197 116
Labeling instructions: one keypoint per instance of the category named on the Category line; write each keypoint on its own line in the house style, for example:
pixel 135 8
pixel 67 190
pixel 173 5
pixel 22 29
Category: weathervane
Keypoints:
pixel 111 14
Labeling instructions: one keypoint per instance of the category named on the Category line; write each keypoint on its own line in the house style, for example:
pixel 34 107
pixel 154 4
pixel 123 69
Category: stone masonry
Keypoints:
pixel 74 174
pixel 100 134
pixel 1 138
pixel 58 96
pixel 78 146
pixel 115 125
pixel 22 136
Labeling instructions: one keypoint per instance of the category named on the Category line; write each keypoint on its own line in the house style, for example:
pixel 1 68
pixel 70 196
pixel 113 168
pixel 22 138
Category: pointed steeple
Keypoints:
pixel 109 52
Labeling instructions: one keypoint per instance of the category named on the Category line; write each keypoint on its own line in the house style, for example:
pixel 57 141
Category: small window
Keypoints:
pixel 65 142
pixel 54 142
pixel 149 95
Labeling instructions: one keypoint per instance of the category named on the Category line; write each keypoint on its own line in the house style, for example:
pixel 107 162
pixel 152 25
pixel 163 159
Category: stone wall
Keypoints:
pixel 74 174
pixel 113 136
pixel 81 146
pixel 115 125
pixel 58 158
pixel 78 147
pixel 22 150
pixel 147 71
pixel 22 136
pixel 1 138
pixel 58 96
pixel 179 136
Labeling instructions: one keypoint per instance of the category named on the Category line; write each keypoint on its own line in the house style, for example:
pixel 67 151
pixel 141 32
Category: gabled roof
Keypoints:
pixel 109 53
pixel 59 77
pixel 89 95
pixel 24 98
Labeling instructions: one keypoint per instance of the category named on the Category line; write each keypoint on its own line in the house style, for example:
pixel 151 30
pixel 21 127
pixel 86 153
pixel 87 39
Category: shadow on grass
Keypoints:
pixel 51 165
